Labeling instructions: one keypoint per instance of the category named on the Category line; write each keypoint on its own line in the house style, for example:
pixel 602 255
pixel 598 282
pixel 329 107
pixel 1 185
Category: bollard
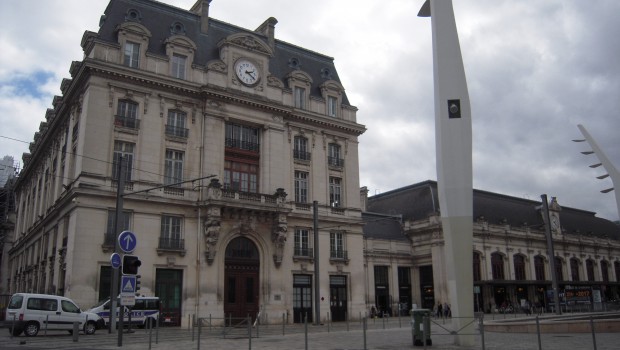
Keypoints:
pixel 210 323
pixel 193 326
pixel 425 331
pixel 13 326
pixel 47 321
pixel 364 320
pixel 361 320
pixel 593 333
pixel 76 331
pixel 346 316
pixel 283 323
pixel 399 324
pixel 150 328
pixel 157 330
pixel 189 322
pixel 249 319
pixel 306 331
pixel 328 323
pixel 538 332
pixel 482 330
pixel 383 320
pixel 199 331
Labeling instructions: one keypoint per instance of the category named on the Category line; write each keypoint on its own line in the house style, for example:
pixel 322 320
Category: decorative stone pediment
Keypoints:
pixel 247 42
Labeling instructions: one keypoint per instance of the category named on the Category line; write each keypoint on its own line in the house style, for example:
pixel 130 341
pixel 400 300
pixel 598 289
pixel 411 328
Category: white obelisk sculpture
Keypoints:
pixel 453 140
pixel 612 172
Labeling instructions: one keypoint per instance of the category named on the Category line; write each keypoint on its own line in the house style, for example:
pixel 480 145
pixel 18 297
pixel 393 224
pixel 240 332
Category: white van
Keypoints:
pixel 144 313
pixel 29 313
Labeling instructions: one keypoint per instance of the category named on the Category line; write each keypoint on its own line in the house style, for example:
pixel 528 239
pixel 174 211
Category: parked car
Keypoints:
pixel 28 313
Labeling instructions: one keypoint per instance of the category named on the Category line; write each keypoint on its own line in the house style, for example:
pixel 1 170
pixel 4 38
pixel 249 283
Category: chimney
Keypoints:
pixel 201 8
pixel 364 198
pixel 268 29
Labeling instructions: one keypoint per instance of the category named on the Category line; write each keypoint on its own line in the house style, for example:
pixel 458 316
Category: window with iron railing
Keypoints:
pixel 176 124
pixel 336 246
pixel 334 155
pixel 242 137
pixel 173 168
pixel 302 243
pixel 171 234
pixel 300 148
pixel 127 115
pixel 301 186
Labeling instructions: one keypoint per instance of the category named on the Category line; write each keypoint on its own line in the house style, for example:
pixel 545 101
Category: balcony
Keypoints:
pixel 243 145
pixel 129 123
pixel 303 253
pixel 174 245
pixel 301 155
pixel 338 255
pixel 337 162
pixel 176 131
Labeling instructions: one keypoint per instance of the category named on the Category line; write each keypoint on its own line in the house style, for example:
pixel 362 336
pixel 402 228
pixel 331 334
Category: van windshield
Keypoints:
pixel 16 302
pixel 101 303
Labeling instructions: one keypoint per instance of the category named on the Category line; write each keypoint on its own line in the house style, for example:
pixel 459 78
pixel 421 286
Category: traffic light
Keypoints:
pixel 137 283
pixel 131 263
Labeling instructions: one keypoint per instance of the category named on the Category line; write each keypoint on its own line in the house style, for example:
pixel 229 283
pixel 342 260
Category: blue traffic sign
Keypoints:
pixel 115 260
pixel 128 284
pixel 127 241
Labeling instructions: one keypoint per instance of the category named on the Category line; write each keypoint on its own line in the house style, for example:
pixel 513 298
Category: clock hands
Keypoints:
pixel 251 73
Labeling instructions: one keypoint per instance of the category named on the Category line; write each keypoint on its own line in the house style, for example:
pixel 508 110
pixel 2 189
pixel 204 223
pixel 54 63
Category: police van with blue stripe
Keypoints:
pixel 144 313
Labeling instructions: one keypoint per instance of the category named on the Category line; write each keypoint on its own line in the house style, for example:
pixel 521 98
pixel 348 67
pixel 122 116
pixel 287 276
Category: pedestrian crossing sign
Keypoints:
pixel 128 284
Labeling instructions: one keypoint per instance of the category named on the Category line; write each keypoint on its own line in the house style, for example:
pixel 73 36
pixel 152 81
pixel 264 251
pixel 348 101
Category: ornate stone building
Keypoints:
pixel 511 262
pixel 229 135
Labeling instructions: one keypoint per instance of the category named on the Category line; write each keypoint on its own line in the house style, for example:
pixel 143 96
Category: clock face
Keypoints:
pixel 555 222
pixel 247 72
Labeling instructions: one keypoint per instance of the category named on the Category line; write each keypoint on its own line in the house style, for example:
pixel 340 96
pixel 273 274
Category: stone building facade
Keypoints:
pixel 229 136
pixel 511 262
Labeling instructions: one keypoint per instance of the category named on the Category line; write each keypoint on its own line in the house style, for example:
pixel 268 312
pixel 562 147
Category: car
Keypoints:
pixel 144 313
pixel 28 313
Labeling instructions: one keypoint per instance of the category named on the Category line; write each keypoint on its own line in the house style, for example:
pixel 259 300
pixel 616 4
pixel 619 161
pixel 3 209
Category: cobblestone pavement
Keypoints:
pixel 325 337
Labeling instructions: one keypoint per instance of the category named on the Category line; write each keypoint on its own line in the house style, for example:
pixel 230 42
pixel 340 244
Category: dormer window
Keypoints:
pixel 300 97
pixel 132 54
pixel 332 106
pixel 178 66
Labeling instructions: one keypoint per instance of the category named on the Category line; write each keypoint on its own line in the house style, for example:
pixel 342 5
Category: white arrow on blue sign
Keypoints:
pixel 115 260
pixel 127 241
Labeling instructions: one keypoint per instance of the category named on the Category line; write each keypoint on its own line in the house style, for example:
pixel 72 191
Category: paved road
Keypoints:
pixel 334 337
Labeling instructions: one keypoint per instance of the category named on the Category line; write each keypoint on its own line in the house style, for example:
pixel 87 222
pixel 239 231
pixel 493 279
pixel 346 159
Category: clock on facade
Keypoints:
pixel 247 72
pixel 555 222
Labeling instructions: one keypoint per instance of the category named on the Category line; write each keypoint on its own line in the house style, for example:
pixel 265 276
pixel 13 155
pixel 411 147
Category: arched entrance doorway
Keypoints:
pixel 241 279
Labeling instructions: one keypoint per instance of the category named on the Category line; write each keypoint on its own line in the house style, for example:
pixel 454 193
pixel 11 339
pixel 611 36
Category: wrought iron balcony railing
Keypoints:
pixel 172 130
pixel 171 243
pixel 333 161
pixel 131 123
pixel 305 252
pixel 301 155
pixel 338 254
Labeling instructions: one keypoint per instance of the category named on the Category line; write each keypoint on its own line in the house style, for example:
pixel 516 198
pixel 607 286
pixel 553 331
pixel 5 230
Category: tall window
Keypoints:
pixel 173 172
pixel 127 114
pixel 302 243
pixel 590 269
pixel 242 137
pixel 124 149
pixel 178 66
pixel 382 276
pixel 617 269
pixel 111 234
pixel 332 105
pixel 477 273
pixel 539 268
pixel 300 148
pixel 497 266
pixel 558 269
pixel 241 177
pixel 335 188
pixel 176 123
pixel 171 237
pixel 519 262
pixel 334 156
pixel 300 97
pixel 132 54
pixel 574 269
pixel 336 245
pixel 301 187
pixel 604 271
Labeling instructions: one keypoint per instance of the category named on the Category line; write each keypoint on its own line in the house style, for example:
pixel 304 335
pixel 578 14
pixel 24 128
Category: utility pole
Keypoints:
pixel 554 275
pixel 122 170
pixel 317 287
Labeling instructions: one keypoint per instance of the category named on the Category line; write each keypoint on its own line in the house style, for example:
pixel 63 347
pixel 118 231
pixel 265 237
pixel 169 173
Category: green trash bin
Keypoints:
pixel 421 321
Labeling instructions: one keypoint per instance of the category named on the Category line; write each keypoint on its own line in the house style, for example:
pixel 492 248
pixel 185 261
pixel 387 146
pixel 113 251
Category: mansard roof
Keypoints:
pixel 418 201
pixel 381 226
pixel 163 21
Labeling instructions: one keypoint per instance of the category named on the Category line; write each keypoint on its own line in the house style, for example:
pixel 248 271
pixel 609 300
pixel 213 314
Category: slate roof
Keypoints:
pixel 381 226
pixel 159 17
pixel 417 201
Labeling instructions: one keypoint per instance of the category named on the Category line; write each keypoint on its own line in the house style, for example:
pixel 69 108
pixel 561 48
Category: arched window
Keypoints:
pixel 539 267
pixel 574 269
pixel 497 266
pixel 477 266
pixel 519 262
pixel 558 269
pixel 604 271
pixel 590 269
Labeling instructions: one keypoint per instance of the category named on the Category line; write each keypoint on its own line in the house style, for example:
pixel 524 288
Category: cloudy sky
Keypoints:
pixel 535 70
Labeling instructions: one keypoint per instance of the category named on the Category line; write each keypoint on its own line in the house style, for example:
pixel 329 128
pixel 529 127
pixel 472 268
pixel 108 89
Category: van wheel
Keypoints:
pixel 90 328
pixel 31 329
